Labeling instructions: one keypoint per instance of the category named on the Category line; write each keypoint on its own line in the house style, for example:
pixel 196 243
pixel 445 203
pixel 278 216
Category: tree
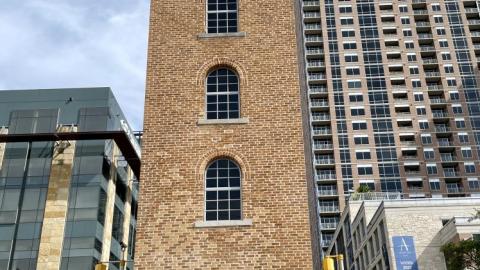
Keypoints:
pixel 363 188
pixel 475 216
pixel 462 255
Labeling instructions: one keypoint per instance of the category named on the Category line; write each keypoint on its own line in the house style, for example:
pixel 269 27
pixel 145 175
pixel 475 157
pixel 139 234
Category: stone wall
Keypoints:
pixel 424 223
pixel 56 206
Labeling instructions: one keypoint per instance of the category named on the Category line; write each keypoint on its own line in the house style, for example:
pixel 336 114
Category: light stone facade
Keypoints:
pixel 372 221
pixel 56 207
pixel 3 130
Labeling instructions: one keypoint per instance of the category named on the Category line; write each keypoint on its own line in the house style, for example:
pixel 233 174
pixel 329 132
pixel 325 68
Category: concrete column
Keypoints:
pixel 3 130
pixel 56 207
pixel 107 228
pixel 127 211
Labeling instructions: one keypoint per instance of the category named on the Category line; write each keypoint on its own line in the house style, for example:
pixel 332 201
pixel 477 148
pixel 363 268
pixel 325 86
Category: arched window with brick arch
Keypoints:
pixel 222 94
pixel 223 190
pixel 222 16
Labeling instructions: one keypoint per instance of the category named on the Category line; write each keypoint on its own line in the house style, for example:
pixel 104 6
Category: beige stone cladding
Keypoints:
pixel 266 142
pixel 56 206
pixel 423 221
pixel 3 130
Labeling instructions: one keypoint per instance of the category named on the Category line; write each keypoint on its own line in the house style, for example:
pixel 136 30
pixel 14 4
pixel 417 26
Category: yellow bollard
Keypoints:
pixel 100 266
pixel 328 264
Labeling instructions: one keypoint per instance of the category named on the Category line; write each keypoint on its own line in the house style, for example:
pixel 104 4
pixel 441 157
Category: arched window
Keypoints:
pixel 222 16
pixel 222 94
pixel 223 191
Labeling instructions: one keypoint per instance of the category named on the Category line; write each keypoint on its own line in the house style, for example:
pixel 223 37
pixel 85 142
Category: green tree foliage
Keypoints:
pixel 363 189
pixel 462 255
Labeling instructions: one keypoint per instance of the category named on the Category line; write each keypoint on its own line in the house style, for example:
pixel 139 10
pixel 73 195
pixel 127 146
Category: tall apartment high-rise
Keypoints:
pixel 390 100
pixel 394 99
pixel 68 180
pixel 224 179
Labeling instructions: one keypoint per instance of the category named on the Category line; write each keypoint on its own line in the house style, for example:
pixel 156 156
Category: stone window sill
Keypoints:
pixel 221 35
pixel 223 223
pixel 222 121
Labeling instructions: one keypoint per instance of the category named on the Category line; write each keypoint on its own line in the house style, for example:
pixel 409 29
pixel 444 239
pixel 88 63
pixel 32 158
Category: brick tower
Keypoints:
pixel 224 178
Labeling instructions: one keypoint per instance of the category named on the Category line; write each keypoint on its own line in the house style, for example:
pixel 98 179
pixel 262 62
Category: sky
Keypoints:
pixel 76 43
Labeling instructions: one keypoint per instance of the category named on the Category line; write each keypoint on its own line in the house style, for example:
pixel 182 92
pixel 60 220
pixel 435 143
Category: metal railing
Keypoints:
pixel 375 196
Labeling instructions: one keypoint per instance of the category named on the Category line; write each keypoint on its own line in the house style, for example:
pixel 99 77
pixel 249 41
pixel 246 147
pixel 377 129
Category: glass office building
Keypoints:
pixel 69 164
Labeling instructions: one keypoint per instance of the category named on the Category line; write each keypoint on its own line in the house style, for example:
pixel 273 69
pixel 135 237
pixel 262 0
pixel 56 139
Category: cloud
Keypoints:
pixel 88 43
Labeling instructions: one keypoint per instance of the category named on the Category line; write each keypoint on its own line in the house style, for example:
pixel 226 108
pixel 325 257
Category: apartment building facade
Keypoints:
pixel 69 165
pixel 394 100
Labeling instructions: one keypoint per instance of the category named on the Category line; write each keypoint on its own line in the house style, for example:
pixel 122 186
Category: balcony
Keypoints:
pixel 438 101
pixel 323 146
pixel 329 209
pixel 319 103
pixel 415 189
pixel 451 173
pixel 312 27
pixel 328 225
pixel 313 39
pixel 435 88
pixel 448 158
pixel 427 48
pixel 422 26
pixel 442 129
pixel 314 50
pixel 315 64
pixel 474 22
pixel 454 189
pixel 325 161
pixel 425 36
pixel 324 192
pixel 316 76
pixel 440 115
pixel 321 117
pixel 326 243
pixel 445 143
pixel 311 4
pixel 432 74
pixel 409 173
pixel 472 10
pixel 410 157
pixel 409 143
pixel 317 89
pixel 475 33
pixel 311 15
pixel 322 131
pixel 326 177
pixel 430 61
pixel 420 12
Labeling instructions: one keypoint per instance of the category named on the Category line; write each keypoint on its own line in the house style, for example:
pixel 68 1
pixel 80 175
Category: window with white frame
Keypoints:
pixel 469 167
pixel 438 19
pixel 223 191
pixel 222 16
pixel 222 95
pixel 473 183
pixel 434 184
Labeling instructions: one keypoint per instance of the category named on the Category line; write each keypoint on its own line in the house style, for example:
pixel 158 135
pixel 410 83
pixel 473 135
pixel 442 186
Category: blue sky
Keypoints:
pixel 76 43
